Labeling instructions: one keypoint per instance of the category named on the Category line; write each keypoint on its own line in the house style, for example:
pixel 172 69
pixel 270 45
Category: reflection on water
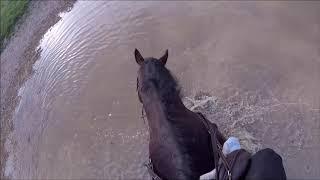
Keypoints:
pixel 79 115
pixel 71 119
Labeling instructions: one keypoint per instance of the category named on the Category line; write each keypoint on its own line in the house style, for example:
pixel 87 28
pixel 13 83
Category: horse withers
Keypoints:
pixel 179 144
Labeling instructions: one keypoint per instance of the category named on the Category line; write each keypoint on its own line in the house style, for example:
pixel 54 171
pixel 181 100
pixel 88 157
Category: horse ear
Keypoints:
pixel 164 58
pixel 139 58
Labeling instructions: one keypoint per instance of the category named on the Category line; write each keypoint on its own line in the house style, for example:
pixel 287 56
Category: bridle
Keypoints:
pixel 216 146
pixel 143 116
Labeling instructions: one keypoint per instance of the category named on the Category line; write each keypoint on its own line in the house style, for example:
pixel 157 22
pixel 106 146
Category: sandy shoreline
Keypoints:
pixel 19 56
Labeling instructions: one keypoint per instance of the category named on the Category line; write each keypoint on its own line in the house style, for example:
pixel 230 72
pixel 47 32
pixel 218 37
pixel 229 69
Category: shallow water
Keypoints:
pixel 79 116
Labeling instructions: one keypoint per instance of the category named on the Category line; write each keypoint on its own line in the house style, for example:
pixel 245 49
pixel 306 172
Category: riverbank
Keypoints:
pixel 11 12
pixel 19 56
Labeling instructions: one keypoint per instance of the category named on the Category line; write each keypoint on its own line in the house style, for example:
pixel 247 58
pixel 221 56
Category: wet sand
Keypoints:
pixel 251 67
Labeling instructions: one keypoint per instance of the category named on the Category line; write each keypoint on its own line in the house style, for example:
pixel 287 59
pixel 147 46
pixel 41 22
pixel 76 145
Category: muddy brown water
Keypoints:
pixel 258 63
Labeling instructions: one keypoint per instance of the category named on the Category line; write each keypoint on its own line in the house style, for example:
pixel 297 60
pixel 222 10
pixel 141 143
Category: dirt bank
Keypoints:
pixel 19 55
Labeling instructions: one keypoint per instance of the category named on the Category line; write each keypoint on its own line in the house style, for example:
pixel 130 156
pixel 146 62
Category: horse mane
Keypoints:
pixel 165 83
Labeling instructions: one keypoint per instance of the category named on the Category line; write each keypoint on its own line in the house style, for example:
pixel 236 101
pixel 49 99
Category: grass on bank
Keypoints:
pixel 11 11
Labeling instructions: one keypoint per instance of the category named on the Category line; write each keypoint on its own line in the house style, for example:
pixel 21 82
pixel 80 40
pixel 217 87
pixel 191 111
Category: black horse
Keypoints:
pixel 179 145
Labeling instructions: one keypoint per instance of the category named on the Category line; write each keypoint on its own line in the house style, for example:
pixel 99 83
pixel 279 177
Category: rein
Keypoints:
pixel 149 164
pixel 216 146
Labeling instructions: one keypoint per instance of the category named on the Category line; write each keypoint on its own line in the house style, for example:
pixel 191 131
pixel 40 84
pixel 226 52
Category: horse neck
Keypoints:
pixel 160 110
